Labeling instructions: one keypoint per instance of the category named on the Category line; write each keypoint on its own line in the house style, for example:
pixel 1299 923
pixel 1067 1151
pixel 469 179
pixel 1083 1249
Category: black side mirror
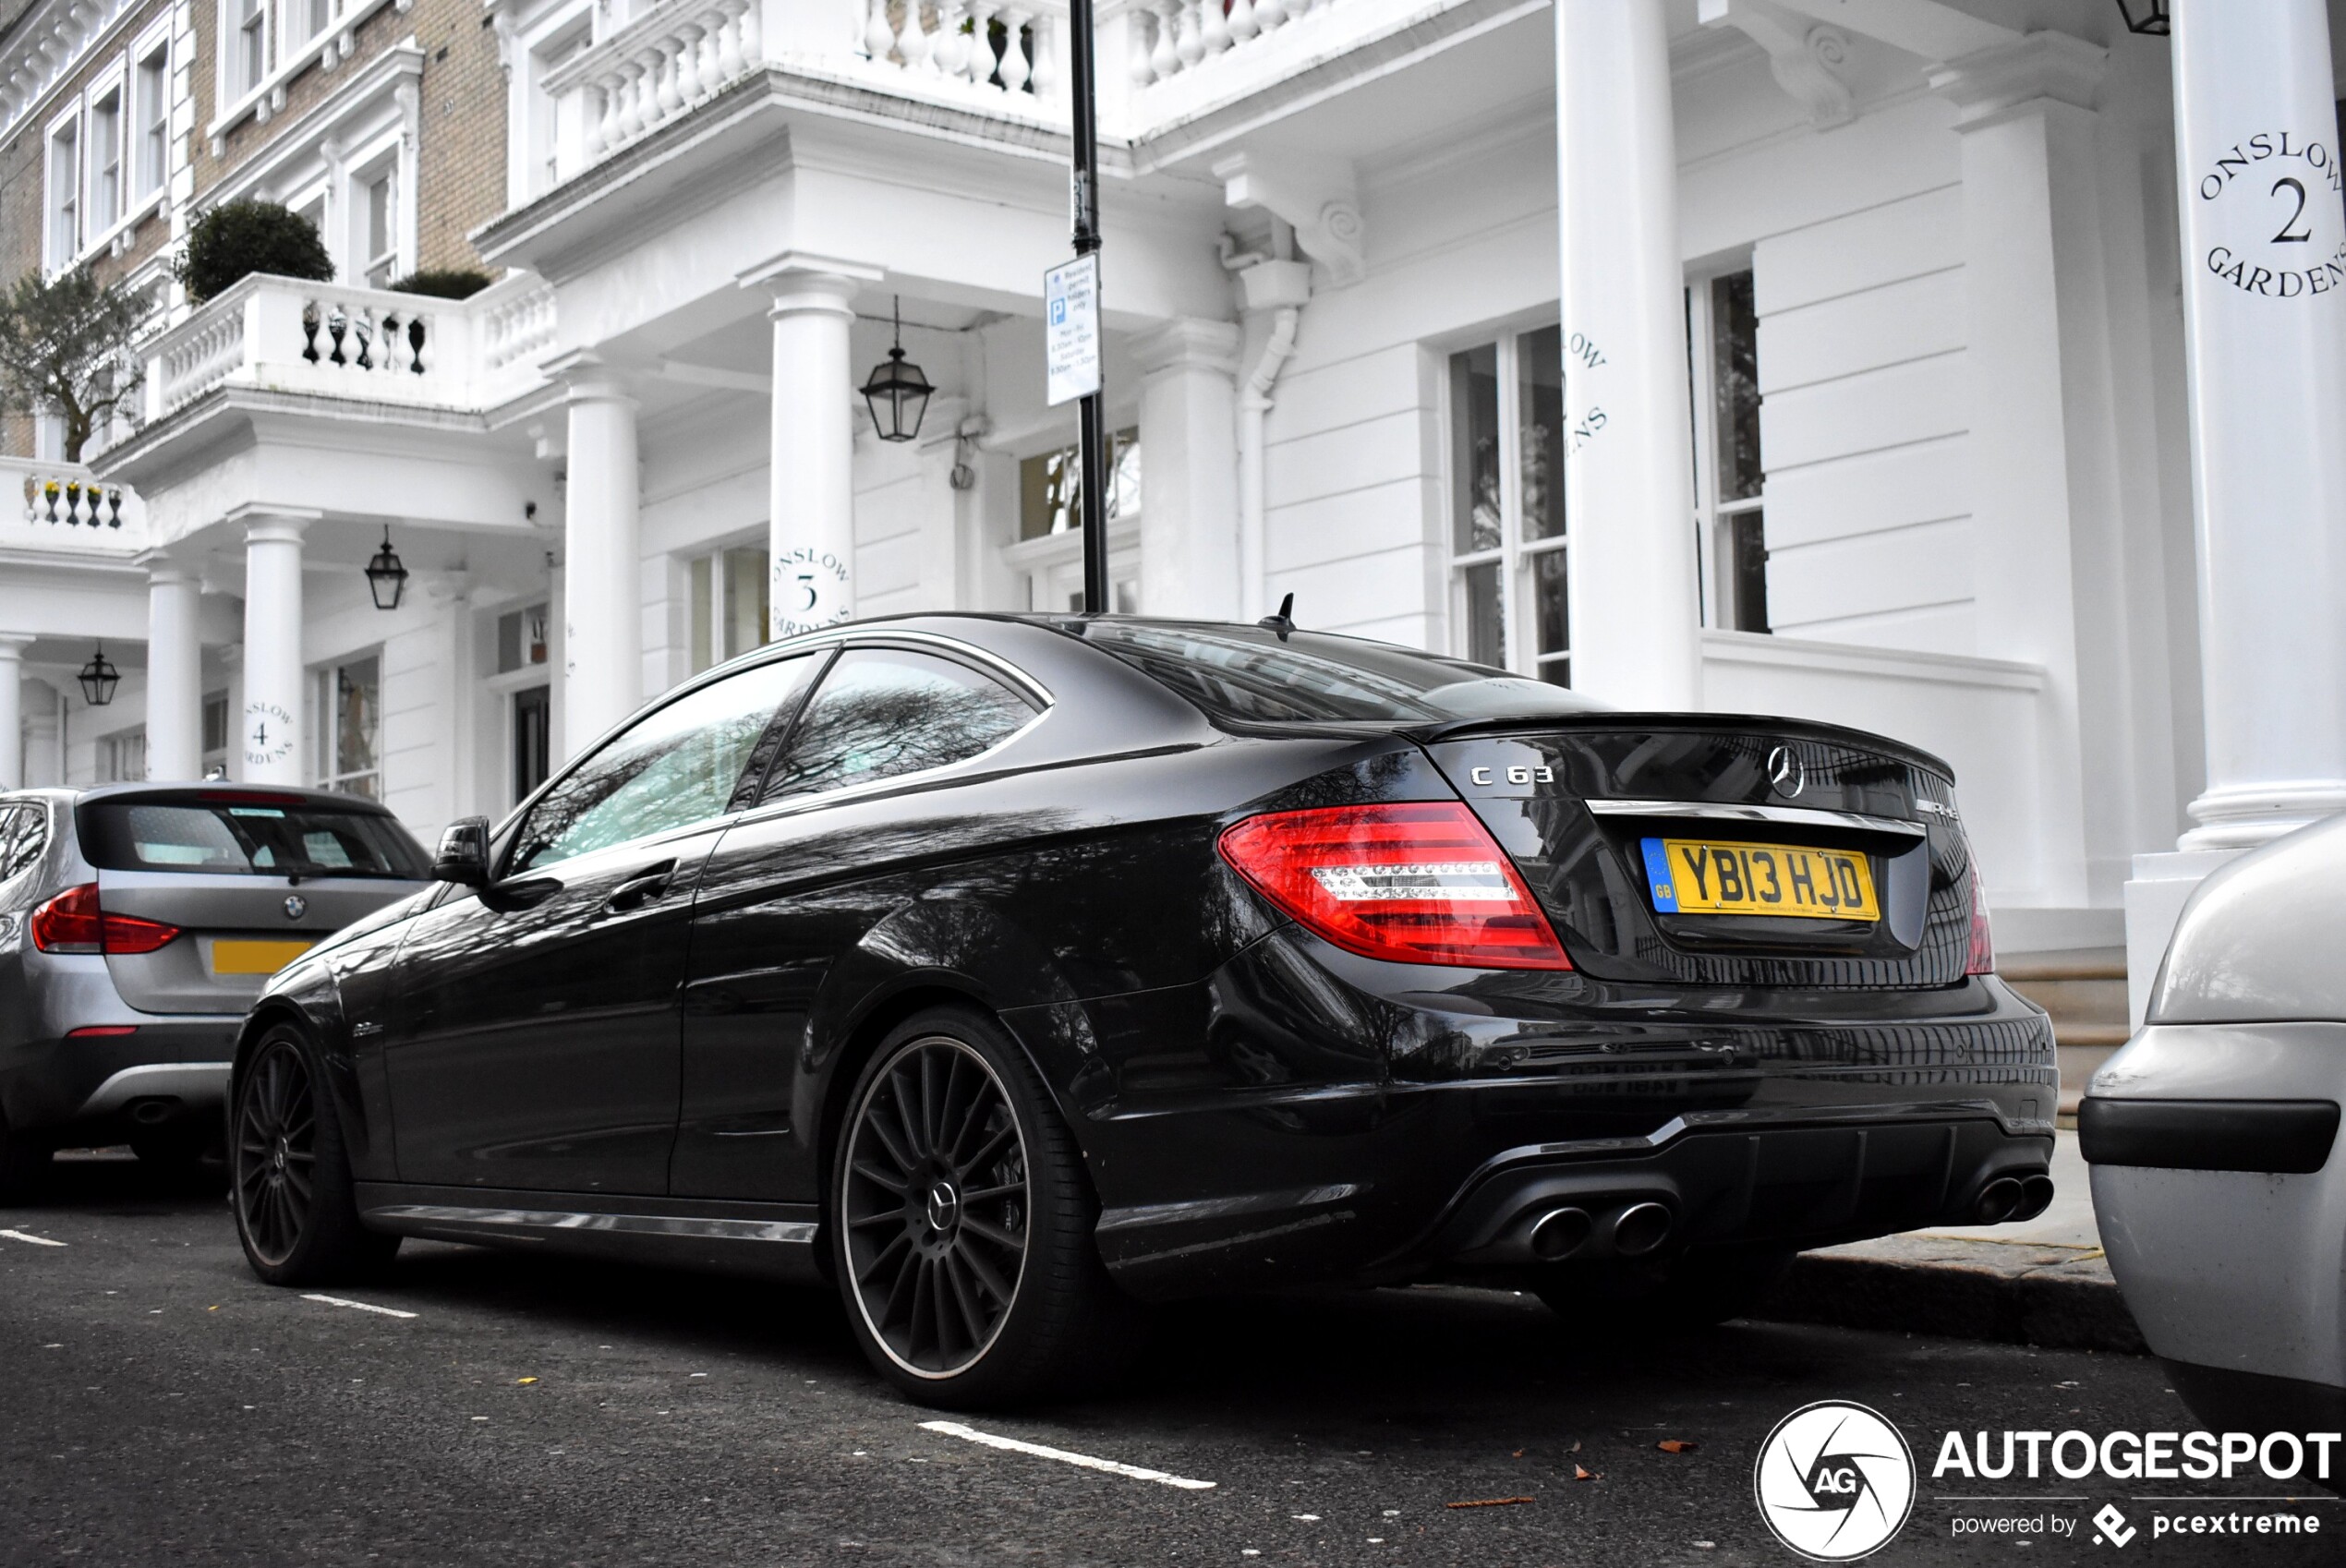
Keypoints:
pixel 463 855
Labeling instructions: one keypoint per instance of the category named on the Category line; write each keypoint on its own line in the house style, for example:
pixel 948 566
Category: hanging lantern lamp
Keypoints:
pixel 99 678
pixel 896 391
pixel 386 575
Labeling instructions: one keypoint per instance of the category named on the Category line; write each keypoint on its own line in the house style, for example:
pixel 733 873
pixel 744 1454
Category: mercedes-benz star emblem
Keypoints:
pixel 1785 772
pixel 295 906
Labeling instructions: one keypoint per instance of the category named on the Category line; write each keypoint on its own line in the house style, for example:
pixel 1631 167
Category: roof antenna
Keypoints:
pixel 1283 621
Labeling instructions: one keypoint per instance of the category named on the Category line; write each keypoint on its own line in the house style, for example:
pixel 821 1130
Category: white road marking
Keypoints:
pixel 1114 1467
pixel 36 1241
pixel 360 1306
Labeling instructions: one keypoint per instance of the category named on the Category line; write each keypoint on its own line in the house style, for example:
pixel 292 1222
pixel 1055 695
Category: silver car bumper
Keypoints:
pixel 2236 1270
pixel 197 1085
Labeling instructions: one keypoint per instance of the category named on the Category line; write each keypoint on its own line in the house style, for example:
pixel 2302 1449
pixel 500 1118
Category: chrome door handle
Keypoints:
pixel 641 888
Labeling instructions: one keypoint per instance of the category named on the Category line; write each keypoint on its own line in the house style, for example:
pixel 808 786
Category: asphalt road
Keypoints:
pixel 158 1405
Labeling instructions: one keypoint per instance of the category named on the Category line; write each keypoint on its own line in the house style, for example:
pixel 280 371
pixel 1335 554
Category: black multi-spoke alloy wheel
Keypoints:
pixel 289 1177
pixel 962 1223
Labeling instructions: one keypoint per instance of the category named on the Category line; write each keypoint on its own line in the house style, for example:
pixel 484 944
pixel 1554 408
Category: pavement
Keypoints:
pixel 2043 1282
pixel 158 1405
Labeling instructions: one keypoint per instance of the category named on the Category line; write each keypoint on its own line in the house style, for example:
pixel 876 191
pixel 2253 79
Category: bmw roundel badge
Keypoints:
pixel 295 906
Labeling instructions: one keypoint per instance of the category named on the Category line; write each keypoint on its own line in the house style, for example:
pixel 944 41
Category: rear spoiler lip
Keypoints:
pixel 1611 722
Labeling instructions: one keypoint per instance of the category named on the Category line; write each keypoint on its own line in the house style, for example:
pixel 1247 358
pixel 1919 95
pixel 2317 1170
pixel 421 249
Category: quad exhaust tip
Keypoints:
pixel 1639 1228
pixel 1998 1201
pixel 2036 1196
pixel 1560 1233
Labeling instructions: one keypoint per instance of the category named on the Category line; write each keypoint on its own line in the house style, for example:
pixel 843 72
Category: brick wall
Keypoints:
pixel 23 187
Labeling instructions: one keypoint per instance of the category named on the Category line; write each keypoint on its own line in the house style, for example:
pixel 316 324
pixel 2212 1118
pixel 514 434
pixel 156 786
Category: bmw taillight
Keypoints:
pixel 72 922
pixel 1421 882
pixel 1982 956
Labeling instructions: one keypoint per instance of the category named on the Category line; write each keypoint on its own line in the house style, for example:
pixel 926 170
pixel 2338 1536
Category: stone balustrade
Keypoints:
pixel 66 507
pixel 281 334
pixel 1167 38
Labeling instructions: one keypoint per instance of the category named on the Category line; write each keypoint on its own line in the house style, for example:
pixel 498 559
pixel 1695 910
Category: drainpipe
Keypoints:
pixel 1282 288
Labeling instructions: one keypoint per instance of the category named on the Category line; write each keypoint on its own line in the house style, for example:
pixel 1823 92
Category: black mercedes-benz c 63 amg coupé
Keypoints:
pixel 1006 971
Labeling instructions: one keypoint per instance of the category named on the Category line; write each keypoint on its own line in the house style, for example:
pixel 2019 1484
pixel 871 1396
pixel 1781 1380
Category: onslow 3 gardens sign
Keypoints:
pixel 2273 205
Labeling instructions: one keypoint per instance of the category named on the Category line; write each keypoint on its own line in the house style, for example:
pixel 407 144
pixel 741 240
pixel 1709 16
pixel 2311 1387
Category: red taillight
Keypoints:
pixel 72 922
pixel 102 1030
pixel 1421 882
pixel 1982 956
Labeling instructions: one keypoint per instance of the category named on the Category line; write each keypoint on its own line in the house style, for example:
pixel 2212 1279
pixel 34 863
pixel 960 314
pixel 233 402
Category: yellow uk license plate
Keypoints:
pixel 1706 877
pixel 229 956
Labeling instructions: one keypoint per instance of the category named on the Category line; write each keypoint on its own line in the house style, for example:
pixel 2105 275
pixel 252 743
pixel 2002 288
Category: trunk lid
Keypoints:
pixel 251 878
pixel 1574 804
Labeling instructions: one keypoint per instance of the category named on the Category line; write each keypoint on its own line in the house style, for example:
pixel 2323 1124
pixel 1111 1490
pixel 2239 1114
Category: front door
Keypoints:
pixel 536 1040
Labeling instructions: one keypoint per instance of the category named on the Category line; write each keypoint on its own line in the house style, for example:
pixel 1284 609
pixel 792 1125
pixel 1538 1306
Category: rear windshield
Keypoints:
pixel 1249 673
pixel 245 838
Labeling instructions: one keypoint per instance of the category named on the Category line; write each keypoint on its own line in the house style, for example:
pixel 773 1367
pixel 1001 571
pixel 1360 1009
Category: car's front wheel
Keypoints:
pixel 290 1181
pixel 962 1223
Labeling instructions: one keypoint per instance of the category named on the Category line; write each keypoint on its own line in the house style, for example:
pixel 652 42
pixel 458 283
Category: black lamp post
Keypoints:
pixel 2144 15
pixel 897 392
pixel 99 678
pixel 386 575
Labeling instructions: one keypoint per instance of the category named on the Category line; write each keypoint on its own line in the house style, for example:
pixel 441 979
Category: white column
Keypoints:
pixel 451 594
pixel 175 671
pixel 810 526
pixel 602 565
pixel 1629 495
pixel 2265 344
pixel 12 747
pixel 2041 464
pixel 273 743
pixel 1189 470
pixel 2265 333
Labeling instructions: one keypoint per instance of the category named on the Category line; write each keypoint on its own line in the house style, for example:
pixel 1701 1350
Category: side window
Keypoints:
pixel 675 766
pixel 21 840
pixel 882 712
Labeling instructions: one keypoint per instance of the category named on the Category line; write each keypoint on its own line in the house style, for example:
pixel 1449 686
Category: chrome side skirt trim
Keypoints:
pixel 198 1081
pixel 1790 816
pixel 793 1232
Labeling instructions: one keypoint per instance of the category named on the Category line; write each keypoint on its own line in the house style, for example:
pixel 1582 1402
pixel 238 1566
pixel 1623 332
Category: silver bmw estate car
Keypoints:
pixel 138 922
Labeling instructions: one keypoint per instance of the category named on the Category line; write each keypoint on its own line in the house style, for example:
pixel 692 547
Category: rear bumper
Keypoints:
pixel 1746 1116
pixel 2222 1197
pixel 105 1086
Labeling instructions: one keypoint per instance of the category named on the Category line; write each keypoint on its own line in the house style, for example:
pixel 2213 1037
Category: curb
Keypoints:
pixel 2057 1298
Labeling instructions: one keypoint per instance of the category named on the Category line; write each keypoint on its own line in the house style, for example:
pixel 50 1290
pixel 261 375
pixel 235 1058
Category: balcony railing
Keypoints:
pixel 281 335
pixel 1158 59
pixel 66 507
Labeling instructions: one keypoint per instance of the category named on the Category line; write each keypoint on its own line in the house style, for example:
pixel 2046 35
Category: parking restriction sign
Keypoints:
pixel 1071 330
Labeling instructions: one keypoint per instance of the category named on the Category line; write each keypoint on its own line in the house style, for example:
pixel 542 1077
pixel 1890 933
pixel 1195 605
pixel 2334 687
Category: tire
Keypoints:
pixel 962 1224
pixel 24 1167
pixel 1697 1289
pixel 289 1174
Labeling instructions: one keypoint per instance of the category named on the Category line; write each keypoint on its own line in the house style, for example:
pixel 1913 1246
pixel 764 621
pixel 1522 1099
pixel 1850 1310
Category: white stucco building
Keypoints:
pixel 1929 255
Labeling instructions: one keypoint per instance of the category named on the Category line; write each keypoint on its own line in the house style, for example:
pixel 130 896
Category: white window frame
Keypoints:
pixel 122 756
pixel 705 575
pixel 151 107
pixel 103 210
pixel 329 722
pixel 364 259
pixel 60 250
pixel 1715 516
pixel 243 71
pixel 1516 557
pixel 284 55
